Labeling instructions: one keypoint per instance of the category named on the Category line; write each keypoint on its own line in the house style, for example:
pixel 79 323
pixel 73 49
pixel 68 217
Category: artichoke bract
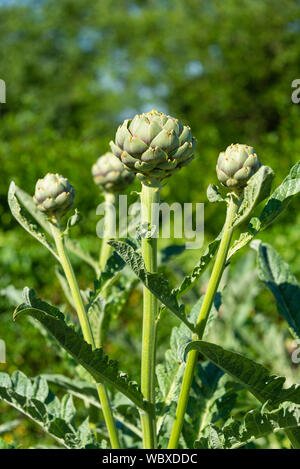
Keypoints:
pixel 54 196
pixel 236 165
pixel 110 174
pixel 153 146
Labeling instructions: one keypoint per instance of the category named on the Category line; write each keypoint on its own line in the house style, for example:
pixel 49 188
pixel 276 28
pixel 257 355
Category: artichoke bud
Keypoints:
pixel 54 196
pixel 110 174
pixel 237 165
pixel 153 146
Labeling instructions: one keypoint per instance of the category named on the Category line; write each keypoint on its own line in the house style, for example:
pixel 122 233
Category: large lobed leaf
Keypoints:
pixel 257 189
pixel 35 400
pixel 156 283
pixel 124 411
pixel 190 280
pixel 94 361
pixel 253 376
pixel 276 204
pixel 211 397
pixel 17 195
pixel 20 215
pixel 277 275
pixel 256 424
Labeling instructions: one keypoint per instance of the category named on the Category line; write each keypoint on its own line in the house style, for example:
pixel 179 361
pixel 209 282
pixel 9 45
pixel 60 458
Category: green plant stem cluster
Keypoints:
pixel 202 321
pixel 86 331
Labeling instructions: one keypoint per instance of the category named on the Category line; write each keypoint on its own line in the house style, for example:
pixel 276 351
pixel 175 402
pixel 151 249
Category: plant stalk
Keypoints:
pixel 109 228
pixel 149 196
pixel 86 331
pixel 212 287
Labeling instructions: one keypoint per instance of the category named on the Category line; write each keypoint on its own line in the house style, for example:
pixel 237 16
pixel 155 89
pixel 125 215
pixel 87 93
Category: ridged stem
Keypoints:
pixel 86 331
pixel 109 228
pixel 212 287
pixel 149 196
pixel 105 252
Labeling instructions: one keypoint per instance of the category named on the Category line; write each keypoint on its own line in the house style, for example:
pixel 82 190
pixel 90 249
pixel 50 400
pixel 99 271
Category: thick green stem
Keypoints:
pixel 109 228
pixel 149 196
pixel 202 321
pixel 105 252
pixel 86 331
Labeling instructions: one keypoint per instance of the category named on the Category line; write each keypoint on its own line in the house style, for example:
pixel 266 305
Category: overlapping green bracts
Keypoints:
pixel 236 165
pixel 54 195
pixel 110 174
pixel 153 146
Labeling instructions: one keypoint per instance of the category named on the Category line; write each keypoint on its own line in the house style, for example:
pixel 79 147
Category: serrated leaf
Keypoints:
pixel 276 204
pixel 205 399
pixel 44 408
pixel 281 197
pixel 102 310
pixel 190 280
pixel 73 246
pixel 112 268
pixel 213 194
pixel 19 214
pixel 94 361
pixel 277 276
pixel 256 424
pixel 257 189
pixel 123 409
pixel 253 376
pixel 239 243
pixel 156 283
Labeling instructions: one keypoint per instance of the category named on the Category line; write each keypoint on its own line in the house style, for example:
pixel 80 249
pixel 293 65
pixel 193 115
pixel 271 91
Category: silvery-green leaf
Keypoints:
pixel 15 194
pixel 19 214
pixel 213 194
pixel 155 282
pixel 277 275
pixel 257 189
pixel 35 400
pixel 281 197
pixel 94 361
pixel 256 424
pixel 277 203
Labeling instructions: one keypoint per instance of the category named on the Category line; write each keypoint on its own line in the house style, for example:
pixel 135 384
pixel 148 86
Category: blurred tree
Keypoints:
pixel 75 69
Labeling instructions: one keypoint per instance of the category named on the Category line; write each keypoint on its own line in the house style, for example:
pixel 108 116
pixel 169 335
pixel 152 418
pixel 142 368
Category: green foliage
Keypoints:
pixel 276 203
pixel 156 283
pixel 95 362
pixel 255 424
pixel 53 123
pixel 277 275
pixel 256 191
pixel 36 401
pixel 253 376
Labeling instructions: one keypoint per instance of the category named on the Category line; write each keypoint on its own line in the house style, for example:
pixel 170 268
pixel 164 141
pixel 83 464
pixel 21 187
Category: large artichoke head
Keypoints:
pixel 110 174
pixel 54 196
pixel 236 165
pixel 153 146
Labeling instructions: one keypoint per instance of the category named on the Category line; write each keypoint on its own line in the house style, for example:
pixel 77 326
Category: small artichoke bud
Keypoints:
pixel 110 174
pixel 54 196
pixel 236 165
pixel 153 146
